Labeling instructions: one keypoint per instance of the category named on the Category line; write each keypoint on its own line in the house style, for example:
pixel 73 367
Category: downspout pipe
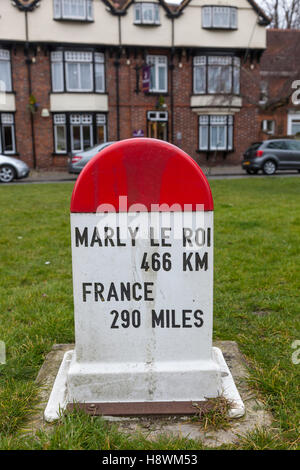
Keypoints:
pixel 172 85
pixel 28 62
pixel 117 67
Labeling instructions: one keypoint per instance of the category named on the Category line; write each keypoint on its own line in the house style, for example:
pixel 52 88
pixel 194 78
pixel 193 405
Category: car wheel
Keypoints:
pixel 7 174
pixel 269 167
pixel 251 172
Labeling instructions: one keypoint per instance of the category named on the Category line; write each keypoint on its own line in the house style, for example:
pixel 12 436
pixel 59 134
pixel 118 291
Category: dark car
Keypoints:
pixel 272 155
pixel 77 161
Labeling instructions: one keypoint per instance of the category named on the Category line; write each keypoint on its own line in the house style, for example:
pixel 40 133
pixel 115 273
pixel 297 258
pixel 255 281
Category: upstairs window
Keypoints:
pixel 146 13
pixel 5 71
pixel 158 73
pixel 79 10
pixel 79 71
pixel 219 17
pixel 76 71
pixel 216 74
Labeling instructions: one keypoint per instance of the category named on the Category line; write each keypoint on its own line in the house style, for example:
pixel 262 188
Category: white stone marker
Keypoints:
pixel 142 253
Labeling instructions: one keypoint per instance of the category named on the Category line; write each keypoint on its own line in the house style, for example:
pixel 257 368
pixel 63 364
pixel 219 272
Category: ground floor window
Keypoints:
pixel 268 126
pixel 294 124
pixel 215 132
pixel 157 125
pixel 76 132
pixel 7 133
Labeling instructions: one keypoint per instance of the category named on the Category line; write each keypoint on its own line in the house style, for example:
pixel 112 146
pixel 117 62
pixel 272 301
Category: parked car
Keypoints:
pixel 77 161
pixel 12 168
pixel 272 155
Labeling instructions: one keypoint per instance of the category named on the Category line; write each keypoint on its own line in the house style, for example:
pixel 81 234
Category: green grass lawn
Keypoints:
pixel 256 304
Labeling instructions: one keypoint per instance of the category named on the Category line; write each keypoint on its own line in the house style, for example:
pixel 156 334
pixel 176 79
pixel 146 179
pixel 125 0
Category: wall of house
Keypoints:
pixel 133 34
pixel 40 76
pixel 249 33
pixel 12 23
pixel 44 33
pixel 280 67
pixel 103 30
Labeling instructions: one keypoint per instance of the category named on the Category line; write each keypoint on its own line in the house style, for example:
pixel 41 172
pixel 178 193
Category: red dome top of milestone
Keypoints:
pixel 147 172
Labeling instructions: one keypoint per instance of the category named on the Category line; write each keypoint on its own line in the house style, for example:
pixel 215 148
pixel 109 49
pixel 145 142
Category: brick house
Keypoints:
pixel 74 73
pixel 280 69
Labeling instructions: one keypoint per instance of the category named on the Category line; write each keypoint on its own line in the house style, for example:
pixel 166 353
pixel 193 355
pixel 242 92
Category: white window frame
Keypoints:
pixel 69 120
pixel 268 126
pixel 79 58
pixel 81 124
pixel 157 116
pixel 99 64
pixel 210 122
pixel 158 62
pixel 199 62
pixel 59 65
pixel 59 120
pixel 5 57
pixel 291 118
pixel 205 62
pixel 140 10
pixel 101 122
pixel 7 120
pixel 59 10
pixel 210 15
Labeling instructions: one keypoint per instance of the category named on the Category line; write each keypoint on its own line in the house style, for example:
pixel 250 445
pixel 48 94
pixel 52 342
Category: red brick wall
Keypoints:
pixel 40 79
pixel 22 116
pixel 41 86
pixel 133 107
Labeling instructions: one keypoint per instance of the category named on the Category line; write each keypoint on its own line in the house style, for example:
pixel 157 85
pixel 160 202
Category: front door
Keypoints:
pixel 158 125
pixel 158 130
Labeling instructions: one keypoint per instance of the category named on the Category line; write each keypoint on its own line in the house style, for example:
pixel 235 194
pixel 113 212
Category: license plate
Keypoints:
pixel 246 163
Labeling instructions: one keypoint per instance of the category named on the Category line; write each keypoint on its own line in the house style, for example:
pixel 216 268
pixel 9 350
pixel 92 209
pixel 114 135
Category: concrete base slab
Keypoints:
pixel 54 368
pixel 59 400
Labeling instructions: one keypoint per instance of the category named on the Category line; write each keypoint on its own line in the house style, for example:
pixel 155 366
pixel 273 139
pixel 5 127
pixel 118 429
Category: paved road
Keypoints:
pixel 279 173
pixel 65 178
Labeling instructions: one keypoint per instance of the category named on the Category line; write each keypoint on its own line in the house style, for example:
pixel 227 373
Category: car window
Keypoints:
pixel 254 146
pixel 279 145
pixel 294 145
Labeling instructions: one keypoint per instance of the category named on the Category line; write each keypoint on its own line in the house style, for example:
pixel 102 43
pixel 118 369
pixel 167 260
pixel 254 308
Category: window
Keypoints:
pixel 146 13
pixel 215 132
pixel 99 72
pixel 278 145
pixel 7 133
pixel 75 71
pixel 5 70
pixel 81 132
pixel 157 124
pixel 57 71
pixel 216 74
pixel 158 73
pixel 293 145
pixel 79 71
pixel 80 10
pixel 294 124
pixel 84 130
pixel 268 126
pixel 60 133
pixel 101 128
pixel 219 17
